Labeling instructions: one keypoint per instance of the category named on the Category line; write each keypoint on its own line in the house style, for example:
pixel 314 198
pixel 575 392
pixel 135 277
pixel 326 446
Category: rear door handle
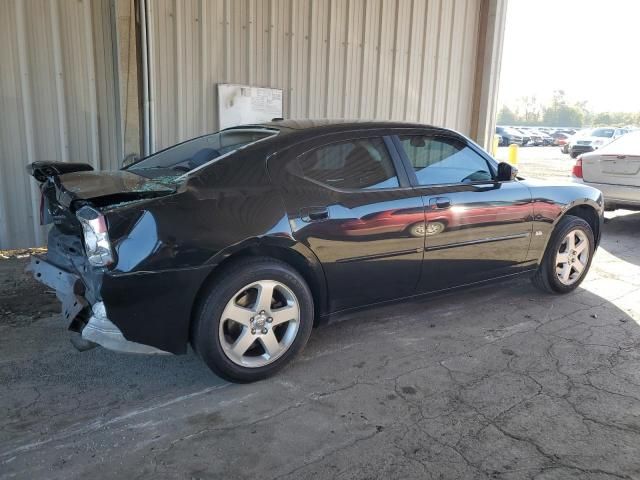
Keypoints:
pixel 314 214
pixel 439 203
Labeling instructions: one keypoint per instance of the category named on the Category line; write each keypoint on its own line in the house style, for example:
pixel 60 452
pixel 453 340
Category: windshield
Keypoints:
pixel 192 154
pixel 603 132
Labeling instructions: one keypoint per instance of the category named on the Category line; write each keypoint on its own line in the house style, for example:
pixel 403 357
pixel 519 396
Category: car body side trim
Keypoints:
pixel 528 268
pixel 380 255
pixel 479 241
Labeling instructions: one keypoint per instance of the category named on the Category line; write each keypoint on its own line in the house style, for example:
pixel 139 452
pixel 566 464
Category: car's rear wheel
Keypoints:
pixel 422 229
pixel 255 317
pixel 567 258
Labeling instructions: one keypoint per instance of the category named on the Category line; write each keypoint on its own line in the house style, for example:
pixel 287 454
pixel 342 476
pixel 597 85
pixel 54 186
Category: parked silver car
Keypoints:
pixel 614 169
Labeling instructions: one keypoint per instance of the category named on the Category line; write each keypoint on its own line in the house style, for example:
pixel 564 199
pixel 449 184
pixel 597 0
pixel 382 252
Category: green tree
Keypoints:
pixel 531 108
pixel 506 116
pixel 614 118
pixel 561 114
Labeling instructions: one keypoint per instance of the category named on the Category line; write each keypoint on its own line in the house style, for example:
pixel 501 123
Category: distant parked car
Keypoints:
pixel 509 136
pixel 615 170
pixel 545 138
pixel 560 138
pixel 535 136
pixel 591 140
pixel 526 138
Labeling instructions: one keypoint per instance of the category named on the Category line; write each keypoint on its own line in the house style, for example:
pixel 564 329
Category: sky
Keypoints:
pixel 588 48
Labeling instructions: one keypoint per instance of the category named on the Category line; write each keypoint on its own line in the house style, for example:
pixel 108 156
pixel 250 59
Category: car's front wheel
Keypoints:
pixel 567 258
pixel 255 317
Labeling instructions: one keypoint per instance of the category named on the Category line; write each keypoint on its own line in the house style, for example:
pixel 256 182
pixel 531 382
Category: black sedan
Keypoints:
pixel 239 242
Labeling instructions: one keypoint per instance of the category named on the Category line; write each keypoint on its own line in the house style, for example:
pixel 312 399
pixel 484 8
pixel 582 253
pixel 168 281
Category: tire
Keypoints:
pixel 573 154
pixel 421 229
pixel 547 278
pixel 216 339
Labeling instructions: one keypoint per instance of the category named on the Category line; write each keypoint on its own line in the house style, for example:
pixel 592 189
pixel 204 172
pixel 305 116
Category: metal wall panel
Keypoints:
pixel 59 100
pixel 415 60
pixel 380 59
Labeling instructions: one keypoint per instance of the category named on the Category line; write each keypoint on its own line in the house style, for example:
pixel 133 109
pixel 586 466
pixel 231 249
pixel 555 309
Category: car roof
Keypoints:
pixel 338 124
pixel 304 128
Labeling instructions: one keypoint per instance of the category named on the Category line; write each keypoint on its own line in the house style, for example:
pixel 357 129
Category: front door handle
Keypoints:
pixel 439 203
pixel 314 214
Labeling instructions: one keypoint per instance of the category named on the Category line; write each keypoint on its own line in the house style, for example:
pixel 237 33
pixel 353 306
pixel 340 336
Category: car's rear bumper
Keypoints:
pixel 90 320
pixel 616 196
pixel 141 312
pixel 102 331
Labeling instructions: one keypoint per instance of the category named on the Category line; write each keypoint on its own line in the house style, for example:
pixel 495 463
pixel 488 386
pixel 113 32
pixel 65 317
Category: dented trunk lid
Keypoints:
pixel 105 188
pixel 65 187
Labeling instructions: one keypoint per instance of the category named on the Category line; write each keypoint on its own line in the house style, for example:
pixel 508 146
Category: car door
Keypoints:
pixel 476 227
pixel 348 199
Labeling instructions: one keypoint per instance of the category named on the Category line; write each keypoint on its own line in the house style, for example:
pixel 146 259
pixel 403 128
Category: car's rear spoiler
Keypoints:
pixel 43 170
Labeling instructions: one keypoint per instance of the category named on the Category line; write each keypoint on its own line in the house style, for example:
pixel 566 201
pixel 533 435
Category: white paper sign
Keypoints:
pixel 243 104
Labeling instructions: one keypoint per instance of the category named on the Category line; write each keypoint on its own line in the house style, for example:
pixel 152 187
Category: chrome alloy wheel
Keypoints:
pixel 572 257
pixel 433 228
pixel 259 323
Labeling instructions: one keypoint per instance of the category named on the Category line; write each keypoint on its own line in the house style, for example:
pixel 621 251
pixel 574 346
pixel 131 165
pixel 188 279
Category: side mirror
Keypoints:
pixel 506 172
pixel 130 159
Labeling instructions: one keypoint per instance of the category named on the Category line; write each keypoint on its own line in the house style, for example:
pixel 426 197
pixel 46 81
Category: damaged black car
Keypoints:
pixel 239 242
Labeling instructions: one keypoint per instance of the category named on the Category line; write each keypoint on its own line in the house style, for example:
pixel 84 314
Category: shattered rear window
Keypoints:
pixel 167 166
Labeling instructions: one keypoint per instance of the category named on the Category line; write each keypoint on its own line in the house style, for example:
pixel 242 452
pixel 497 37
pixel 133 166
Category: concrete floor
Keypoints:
pixel 500 381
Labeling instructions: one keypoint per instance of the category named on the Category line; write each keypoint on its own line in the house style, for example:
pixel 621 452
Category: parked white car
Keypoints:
pixel 588 140
pixel 614 169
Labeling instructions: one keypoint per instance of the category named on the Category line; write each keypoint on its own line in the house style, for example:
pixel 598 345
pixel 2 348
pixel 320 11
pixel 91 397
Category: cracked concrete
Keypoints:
pixel 500 381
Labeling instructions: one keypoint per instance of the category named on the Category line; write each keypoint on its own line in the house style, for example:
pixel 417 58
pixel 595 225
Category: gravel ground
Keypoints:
pixel 500 381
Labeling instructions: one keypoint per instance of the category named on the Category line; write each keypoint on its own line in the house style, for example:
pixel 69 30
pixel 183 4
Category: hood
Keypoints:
pixel 104 188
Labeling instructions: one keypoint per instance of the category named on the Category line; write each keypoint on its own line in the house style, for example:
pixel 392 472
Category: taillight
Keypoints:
pixel 577 168
pixel 96 237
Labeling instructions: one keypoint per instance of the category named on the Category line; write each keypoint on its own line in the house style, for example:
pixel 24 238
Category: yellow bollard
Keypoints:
pixel 513 154
pixel 495 145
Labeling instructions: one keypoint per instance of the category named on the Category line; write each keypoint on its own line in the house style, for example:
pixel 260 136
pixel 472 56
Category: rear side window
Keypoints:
pixel 357 164
pixel 444 160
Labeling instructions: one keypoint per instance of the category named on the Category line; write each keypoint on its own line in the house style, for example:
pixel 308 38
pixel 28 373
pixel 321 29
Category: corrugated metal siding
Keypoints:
pixel 59 100
pixel 382 59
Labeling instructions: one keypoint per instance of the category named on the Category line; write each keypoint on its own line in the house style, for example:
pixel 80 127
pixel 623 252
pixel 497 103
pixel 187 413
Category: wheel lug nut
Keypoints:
pixel 269 320
pixel 252 320
pixel 264 330
pixel 253 331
